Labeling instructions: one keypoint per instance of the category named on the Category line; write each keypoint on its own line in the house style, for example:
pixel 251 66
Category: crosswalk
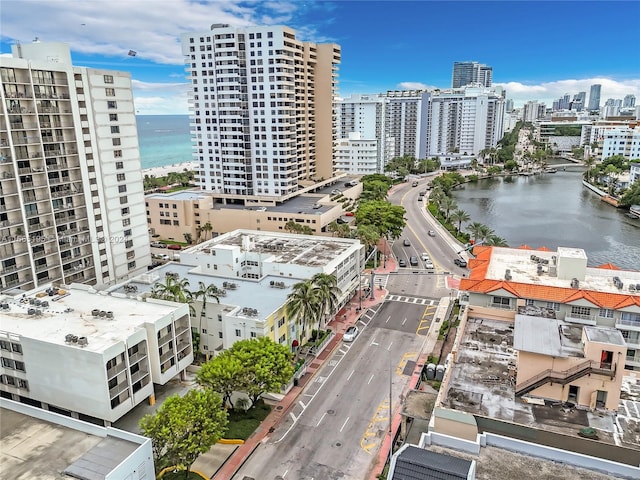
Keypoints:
pixel 413 300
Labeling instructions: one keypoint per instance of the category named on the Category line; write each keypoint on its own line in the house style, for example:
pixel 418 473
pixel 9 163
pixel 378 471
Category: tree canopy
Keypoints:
pixel 386 218
pixel 185 427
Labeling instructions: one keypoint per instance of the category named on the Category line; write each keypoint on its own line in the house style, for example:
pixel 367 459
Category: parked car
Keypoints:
pixel 174 246
pixel 460 262
pixel 335 191
pixel 428 265
pixel 432 233
pixel 402 262
pixel 351 334
pixel 406 242
pixel 413 261
pixel 425 257
pixel 158 245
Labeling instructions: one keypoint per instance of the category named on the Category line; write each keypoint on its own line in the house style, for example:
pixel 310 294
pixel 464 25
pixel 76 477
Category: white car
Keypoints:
pixel 351 334
pixel 425 257
pixel 428 264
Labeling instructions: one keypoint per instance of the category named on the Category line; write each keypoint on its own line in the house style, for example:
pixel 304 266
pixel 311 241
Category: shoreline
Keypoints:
pixel 165 170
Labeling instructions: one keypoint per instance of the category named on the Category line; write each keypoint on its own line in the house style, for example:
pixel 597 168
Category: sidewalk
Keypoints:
pixel 346 317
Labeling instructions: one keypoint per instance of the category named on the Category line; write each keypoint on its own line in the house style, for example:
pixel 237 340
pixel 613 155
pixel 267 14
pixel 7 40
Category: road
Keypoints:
pixel 340 419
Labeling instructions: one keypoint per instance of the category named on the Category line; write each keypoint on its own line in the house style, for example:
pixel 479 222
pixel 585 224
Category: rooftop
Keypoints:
pixel 482 383
pixel 70 311
pixel 179 195
pixel 35 448
pixel 531 273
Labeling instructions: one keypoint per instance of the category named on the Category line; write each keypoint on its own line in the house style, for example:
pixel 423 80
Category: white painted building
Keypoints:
pixel 407 122
pixel 261 103
pixel 257 269
pixel 358 156
pixel 90 355
pixel 622 141
pixel 532 111
pixel 634 173
pixel 465 120
pixel 71 195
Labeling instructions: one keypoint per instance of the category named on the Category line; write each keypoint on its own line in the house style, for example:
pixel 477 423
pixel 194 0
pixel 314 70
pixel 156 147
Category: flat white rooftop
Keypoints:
pixel 69 311
pixel 525 270
pixel 179 195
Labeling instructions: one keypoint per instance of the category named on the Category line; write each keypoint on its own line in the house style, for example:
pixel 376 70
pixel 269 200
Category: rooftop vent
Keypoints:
pixel 68 338
pixel 507 274
pixel 575 283
pixel 618 283
pixel 250 312
pixel 82 341
pixel 276 284
pixel 229 285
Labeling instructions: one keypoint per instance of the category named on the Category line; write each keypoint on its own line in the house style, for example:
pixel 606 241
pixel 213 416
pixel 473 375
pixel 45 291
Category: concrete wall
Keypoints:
pixel 455 423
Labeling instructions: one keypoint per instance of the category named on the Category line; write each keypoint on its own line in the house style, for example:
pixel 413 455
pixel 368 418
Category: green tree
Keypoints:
pixel 447 204
pixel 459 216
pixel 183 428
pixel 511 165
pixel 612 172
pixel 303 306
pixel 174 289
pixel 188 238
pixel 477 231
pixel 222 374
pixel 207 228
pixel 375 190
pixel 632 195
pixel 386 218
pixel 292 227
pixel 328 293
pixel 496 241
pixel 368 235
pixel 204 293
pixel 267 366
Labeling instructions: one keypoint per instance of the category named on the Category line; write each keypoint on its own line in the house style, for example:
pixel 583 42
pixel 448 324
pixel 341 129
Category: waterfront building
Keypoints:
pixel 90 355
pixel 255 272
pixel 503 279
pixel 42 444
pixel 263 118
pixel 594 97
pixel 622 141
pixel 465 120
pixel 71 192
pixel 466 73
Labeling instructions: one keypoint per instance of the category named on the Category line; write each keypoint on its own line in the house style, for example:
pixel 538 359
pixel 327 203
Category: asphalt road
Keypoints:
pixel 337 426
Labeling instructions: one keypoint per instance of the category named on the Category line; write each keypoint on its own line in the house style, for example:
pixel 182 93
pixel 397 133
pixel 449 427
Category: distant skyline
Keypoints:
pixel 538 50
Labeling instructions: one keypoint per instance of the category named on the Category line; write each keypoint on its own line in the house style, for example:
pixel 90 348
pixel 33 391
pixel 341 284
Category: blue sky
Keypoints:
pixel 538 50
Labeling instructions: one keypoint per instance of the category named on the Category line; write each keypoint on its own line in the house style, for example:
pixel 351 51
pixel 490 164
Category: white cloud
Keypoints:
pixel 549 91
pixel 160 98
pixel 412 86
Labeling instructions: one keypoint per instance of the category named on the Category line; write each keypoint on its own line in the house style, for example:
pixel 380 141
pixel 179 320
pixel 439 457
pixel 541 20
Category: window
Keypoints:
pixel 16 347
pixel 281 322
pixel 219 334
pixel 504 301
pixel 253 335
pixel 112 104
pixel 115 129
pixel 204 330
pixel 126 222
pixel 131 265
pixel 119 165
pixel 122 188
pixel 4 345
pixel 117 154
pixel 8 363
pixel 23 384
pixel 108 79
pixel 116 141
pixel 553 306
pixel 110 92
pixel 577 310
pixel 123 200
pixel 219 317
pixel 19 365
pixel 605 313
pixel 113 117
pixel 238 334
pixel 124 211
pixel 120 177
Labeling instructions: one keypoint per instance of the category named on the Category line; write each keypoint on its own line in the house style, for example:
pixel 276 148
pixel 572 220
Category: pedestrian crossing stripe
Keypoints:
pixel 407 299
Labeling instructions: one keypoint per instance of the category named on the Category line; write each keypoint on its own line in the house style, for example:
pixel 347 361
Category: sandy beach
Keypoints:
pixel 164 171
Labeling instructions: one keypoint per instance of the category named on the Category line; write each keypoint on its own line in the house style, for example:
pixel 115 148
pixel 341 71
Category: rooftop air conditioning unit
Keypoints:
pixel 575 283
pixel 68 338
pixel 82 341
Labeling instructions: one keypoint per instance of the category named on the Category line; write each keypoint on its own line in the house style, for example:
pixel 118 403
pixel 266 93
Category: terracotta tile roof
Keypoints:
pixel 608 266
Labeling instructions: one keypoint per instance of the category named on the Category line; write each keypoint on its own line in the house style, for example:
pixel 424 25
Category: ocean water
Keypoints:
pixel 164 140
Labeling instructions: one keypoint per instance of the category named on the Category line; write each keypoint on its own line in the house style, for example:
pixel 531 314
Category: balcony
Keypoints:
pixel 140 374
pixel 166 356
pixel 136 357
pixel 118 389
pixel 165 338
pixel 500 306
pixel 580 318
pixel 628 325
pixel 113 371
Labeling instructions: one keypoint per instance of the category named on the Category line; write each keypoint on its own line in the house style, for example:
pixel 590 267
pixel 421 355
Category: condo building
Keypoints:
pixel 407 122
pixel 89 355
pixel 261 102
pixel 594 97
pixel 466 73
pixel 71 194
pixel 623 141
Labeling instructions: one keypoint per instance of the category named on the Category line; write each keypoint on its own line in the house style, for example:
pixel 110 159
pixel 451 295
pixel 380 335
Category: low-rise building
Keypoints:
pixel 254 272
pixel 503 279
pixel 90 355
pixel 39 444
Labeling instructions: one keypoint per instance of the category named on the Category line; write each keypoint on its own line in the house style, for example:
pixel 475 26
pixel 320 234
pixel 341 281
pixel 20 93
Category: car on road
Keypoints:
pixel 428 265
pixel 402 262
pixel 158 245
pixel 414 184
pixel 351 334
pixel 423 193
pixel 419 199
pixel 425 257
pixel 413 261
pixel 335 191
pixel 460 262
pixel 406 242
pixel 432 233
pixel 174 246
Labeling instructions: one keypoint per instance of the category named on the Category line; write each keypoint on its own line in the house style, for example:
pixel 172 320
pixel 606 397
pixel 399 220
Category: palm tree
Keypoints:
pixel 459 216
pixel 328 293
pixel 368 235
pixel 173 289
pixel 207 227
pixel 611 171
pixel 589 162
pixel 446 205
pixel 496 241
pixel 476 229
pixel 204 292
pixel 303 305
pixel 198 233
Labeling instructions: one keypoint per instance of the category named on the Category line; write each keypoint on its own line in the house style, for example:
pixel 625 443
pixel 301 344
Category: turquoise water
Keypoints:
pixel 164 140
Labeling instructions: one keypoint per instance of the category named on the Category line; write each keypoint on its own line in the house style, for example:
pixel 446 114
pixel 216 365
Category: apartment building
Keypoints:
pixel 533 110
pixel 466 73
pixel 71 190
pixel 358 156
pixel 503 279
pixel 254 272
pixel 89 355
pixel 622 141
pixel 465 120
pixel 176 215
pixel 263 120
pixel 407 122
pixel 594 97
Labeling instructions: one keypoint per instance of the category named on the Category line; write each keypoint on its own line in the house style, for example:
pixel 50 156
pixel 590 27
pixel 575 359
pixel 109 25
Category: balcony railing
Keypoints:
pixel 501 306
pixel 138 375
pixel 580 318
pixel 621 323
pixel 113 371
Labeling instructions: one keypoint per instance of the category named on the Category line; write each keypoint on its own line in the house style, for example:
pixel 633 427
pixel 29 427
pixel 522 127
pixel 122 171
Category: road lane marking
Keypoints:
pixel 352 372
pixel 344 424
pixel 285 473
pixel 302 404
pixel 360 321
pixel 292 416
pixel 389 347
pixel 371 378
pixel 321 418
pixel 404 321
pixel 389 318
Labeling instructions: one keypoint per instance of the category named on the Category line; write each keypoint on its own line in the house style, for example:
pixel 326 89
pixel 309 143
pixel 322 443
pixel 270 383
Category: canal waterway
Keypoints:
pixel 552 210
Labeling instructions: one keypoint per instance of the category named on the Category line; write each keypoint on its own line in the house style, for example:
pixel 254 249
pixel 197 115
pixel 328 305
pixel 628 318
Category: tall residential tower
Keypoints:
pixel 262 110
pixel 465 73
pixel 71 194
pixel 594 97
